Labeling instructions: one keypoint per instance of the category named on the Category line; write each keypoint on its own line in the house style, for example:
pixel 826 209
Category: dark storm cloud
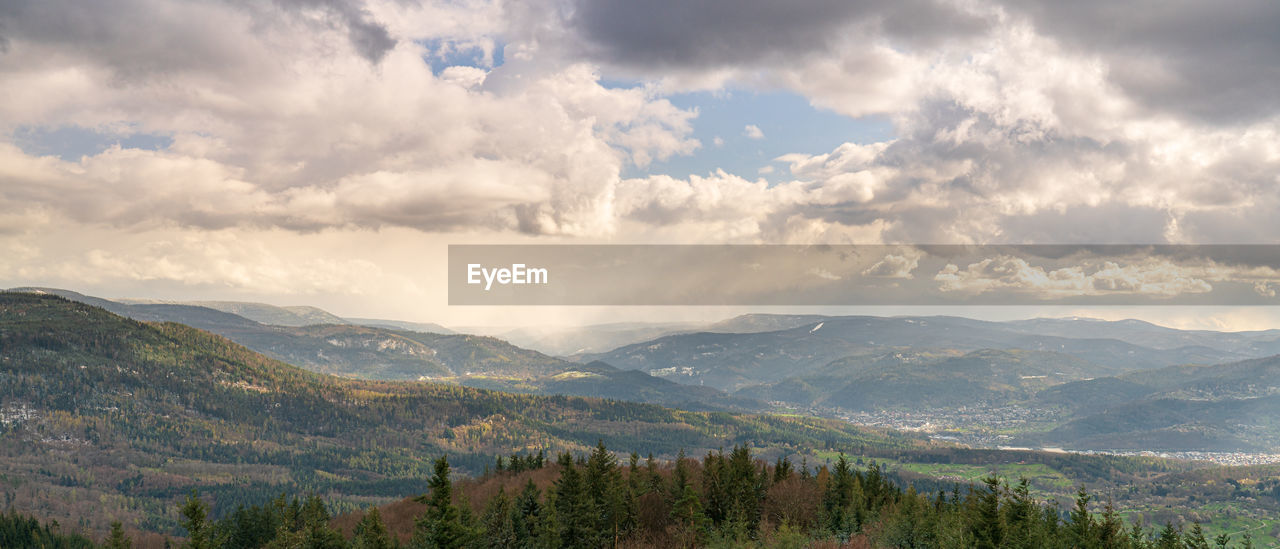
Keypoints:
pixel 1211 61
pixel 1215 61
pixel 369 38
pixel 709 33
pixel 143 37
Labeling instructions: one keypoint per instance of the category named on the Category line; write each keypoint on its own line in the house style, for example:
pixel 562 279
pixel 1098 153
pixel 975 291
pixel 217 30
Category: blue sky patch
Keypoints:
pixel 447 53
pixel 70 143
pixel 786 121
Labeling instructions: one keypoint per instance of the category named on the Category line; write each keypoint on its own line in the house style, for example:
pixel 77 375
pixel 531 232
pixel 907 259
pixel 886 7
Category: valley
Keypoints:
pixel 104 408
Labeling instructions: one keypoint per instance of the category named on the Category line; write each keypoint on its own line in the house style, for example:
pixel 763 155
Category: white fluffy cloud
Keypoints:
pixel 284 120
pixel 326 117
pixel 1149 276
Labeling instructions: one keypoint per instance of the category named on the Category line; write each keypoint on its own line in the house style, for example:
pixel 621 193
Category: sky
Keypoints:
pixel 327 152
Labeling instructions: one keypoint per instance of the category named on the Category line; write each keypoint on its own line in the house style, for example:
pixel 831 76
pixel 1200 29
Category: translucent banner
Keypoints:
pixel 863 275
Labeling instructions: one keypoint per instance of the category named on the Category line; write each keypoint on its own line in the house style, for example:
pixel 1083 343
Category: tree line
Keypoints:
pixel 725 499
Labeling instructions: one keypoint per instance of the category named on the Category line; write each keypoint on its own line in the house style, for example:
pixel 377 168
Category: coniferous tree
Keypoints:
pixel 679 477
pixel 1020 517
pixel 837 502
pixel 574 507
pixel 1222 541
pixel 688 515
pixel 1110 530
pixel 371 532
pixel 655 479
pixel 497 524
pixel 1169 538
pixel 781 470
pixel 985 524
pixel 441 526
pixel 1080 526
pixel 527 515
pixel 1195 538
pixel 548 528
pixel 195 519
pixel 117 539
pixel 315 522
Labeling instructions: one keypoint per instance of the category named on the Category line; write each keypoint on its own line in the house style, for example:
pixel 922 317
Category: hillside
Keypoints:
pixel 602 380
pixel 298 315
pixel 730 361
pixel 104 416
pixel 392 352
pixel 1227 407
pixel 906 380
pixel 365 352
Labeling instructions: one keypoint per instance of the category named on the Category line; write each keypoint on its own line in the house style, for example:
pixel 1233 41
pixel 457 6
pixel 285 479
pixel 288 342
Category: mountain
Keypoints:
pixel 573 341
pixel 344 349
pixel 756 323
pixel 302 315
pixel 1137 332
pixel 904 380
pixel 389 353
pixel 732 361
pixel 1236 425
pixel 107 417
pixel 426 327
pixel 1226 407
pixel 598 379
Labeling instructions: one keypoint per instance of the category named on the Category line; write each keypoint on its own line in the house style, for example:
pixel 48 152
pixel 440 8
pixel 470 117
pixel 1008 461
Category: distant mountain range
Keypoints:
pixel 1221 407
pixel 602 380
pixel 1122 385
pixel 731 361
pixel 388 350
pixel 106 418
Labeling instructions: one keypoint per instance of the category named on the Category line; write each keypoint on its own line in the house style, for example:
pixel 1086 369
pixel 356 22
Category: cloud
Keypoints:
pixel 319 134
pixel 701 34
pixel 824 274
pixel 1011 123
pixel 1196 60
pixel 753 132
pixel 1140 275
pixel 895 265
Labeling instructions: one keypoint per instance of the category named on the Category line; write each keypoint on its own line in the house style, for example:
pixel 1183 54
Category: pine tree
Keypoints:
pixel 1080 526
pixel 371 533
pixel 781 470
pixel 498 527
pixel 1020 516
pixel 679 477
pixel 985 525
pixel 837 502
pixel 527 515
pixel 441 526
pixel 549 530
pixel 315 521
pixel 195 519
pixel 1195 539
pixel 688 515
pixel 1169 538
pixel 1111 529
pixel 574 507
pixel 655 479
pixel 117 539
pixel 1222 541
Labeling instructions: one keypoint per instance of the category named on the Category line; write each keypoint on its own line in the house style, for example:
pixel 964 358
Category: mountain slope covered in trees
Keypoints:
pixel 106 416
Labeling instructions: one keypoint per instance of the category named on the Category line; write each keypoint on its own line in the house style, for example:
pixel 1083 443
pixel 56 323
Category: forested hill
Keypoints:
pixel 105 417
